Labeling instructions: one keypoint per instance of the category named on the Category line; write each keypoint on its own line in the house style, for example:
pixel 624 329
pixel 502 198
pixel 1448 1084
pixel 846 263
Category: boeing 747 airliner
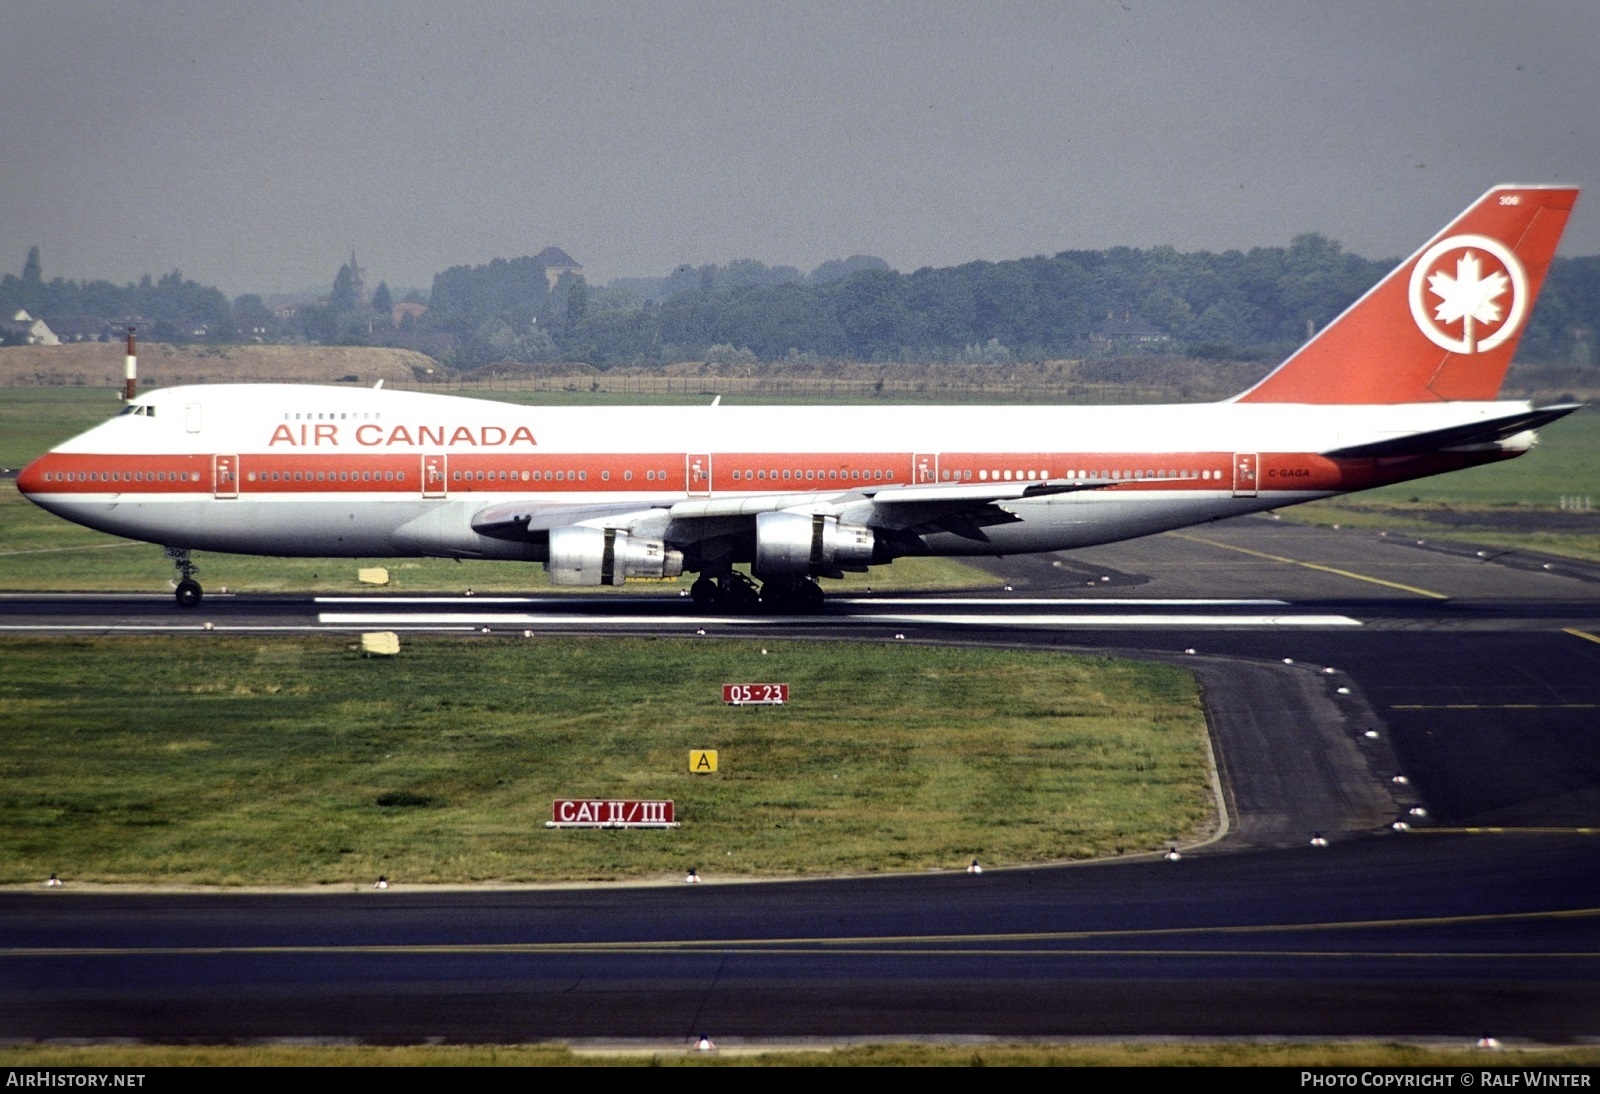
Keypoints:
pixel 1402 385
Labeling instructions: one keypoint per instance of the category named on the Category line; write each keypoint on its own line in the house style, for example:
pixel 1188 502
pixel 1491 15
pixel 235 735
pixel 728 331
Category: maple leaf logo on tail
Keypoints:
pixel 1468 296
pixel 1458 289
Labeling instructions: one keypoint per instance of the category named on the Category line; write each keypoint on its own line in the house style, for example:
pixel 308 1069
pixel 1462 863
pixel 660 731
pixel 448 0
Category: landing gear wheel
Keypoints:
pixel 777 595
pixel 809 596
pixel 704 593
pixel 736 593
pixel 188 589
pixel 791 595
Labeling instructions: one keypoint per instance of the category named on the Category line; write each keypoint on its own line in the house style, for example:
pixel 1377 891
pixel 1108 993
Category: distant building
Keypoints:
pixel 405 308
pixel 82 328
pixel 23 329
pixel 1128 329
pixel 557 262
pixel 358 280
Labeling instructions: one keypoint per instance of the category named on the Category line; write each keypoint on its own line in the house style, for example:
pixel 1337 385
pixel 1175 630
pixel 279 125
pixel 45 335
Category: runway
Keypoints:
pixel 1354 682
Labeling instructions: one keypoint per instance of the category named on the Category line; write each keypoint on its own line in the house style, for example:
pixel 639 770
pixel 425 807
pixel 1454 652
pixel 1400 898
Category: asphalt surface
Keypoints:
pixel 1333 662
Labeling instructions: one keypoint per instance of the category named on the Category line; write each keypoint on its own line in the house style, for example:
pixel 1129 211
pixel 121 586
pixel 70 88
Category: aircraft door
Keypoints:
pixel 434 468
pixel 925 467
pixel 225 476
pixel 698 474
pixel 1244 474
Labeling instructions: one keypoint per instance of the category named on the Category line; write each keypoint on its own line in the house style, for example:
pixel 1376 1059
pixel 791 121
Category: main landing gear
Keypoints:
pixel 734 592
pixel 187 590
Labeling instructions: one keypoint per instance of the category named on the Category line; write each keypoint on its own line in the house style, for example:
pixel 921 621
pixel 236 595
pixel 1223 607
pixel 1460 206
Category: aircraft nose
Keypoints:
pixel 30 480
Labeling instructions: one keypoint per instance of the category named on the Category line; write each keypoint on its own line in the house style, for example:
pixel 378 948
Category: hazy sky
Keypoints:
pixel 252 144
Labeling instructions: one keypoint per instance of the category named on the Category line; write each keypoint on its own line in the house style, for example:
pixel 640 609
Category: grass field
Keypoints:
pixel 239 761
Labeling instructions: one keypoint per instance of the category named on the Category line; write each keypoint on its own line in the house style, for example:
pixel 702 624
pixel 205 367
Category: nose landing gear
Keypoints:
pixel 187 590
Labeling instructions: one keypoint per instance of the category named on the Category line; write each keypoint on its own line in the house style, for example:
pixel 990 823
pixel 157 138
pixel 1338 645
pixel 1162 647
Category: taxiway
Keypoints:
pixel 1335 662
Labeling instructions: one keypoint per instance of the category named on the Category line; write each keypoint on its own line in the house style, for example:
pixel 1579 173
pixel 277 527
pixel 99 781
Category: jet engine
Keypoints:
pixel 606 556
pixel 802 543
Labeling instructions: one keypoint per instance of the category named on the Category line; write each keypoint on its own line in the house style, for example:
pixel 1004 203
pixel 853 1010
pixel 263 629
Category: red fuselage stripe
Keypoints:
pixel 731 472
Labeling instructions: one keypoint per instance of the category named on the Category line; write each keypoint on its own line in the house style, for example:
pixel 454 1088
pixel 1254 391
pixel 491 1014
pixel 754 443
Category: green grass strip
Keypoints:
pixel 242 761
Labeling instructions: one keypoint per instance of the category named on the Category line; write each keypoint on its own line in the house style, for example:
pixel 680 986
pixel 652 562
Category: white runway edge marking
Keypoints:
pixel 904 601
pixel 1066 622
pixel 194 628
pixel 1053 601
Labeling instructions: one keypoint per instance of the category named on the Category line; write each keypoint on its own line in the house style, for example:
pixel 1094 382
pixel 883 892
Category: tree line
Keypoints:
pixel 1238 305
pixel 171 308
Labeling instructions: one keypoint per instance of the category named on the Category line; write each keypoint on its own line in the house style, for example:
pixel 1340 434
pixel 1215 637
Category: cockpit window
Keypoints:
pixel 143 409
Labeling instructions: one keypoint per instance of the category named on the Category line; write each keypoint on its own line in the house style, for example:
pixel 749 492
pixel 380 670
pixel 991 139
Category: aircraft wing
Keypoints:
pixel 1460 436
pixel 527 519
pixel 960 507
pixel 963 508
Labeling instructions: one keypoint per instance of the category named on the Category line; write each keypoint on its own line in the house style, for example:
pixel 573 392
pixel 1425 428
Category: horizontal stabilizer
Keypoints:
pixel 1459 436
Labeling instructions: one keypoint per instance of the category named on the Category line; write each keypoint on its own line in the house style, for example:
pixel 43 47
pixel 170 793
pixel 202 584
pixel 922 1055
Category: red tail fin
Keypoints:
pixel 1444 324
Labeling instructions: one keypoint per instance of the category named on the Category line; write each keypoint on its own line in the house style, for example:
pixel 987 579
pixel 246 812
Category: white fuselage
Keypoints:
pixel 330 471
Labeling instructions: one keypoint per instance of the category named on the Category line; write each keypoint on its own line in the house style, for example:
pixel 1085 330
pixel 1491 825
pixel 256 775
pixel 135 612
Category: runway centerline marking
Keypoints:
pixel 934 943
pixel 1311 566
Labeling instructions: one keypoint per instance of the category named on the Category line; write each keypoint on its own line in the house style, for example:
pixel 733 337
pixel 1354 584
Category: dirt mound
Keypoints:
pixel 100 364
